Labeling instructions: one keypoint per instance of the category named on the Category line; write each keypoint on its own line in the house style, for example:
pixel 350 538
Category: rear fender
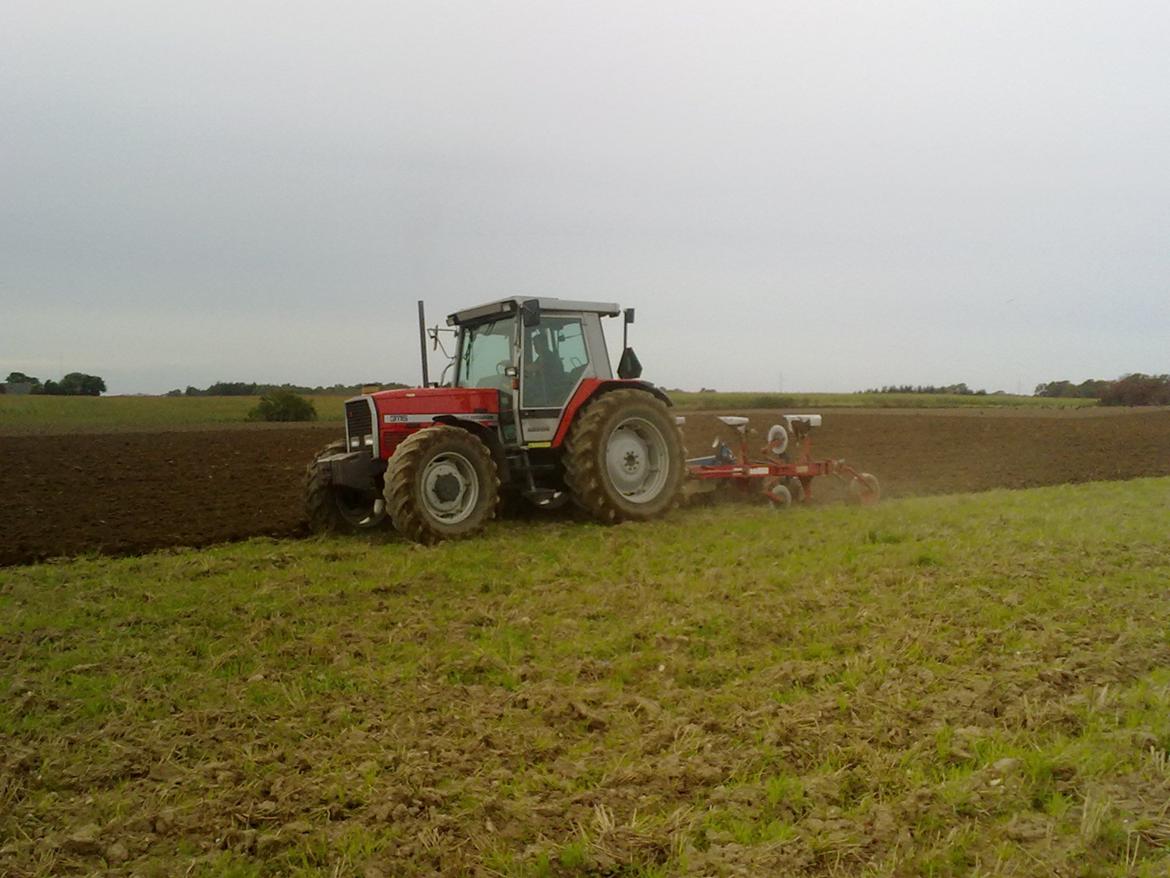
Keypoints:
pixel 590 389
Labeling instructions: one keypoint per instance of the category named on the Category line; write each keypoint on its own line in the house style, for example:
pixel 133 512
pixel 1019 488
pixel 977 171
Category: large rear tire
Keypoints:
pixel 441 484
pixel 331 509
pixel 624 457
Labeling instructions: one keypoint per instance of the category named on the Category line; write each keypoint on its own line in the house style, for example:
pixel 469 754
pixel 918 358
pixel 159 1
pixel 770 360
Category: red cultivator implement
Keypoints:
pixel 784 473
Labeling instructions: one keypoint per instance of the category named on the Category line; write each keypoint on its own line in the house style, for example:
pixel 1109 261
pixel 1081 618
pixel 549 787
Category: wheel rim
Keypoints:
pixel 450 487
pixel 637 460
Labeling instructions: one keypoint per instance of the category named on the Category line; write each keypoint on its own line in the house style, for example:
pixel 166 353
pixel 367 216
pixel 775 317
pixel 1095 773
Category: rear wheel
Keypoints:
pixel 624 457
pixel 441 483
pixel 333 508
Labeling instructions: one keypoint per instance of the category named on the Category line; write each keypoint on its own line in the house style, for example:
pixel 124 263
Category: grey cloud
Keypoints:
pixel 846 193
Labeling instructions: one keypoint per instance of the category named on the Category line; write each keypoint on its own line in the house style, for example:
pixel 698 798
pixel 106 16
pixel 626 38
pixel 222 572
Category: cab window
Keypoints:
pixel 555 359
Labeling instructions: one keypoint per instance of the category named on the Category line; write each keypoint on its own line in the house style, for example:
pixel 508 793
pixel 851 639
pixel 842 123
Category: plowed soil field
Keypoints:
pixel 129 492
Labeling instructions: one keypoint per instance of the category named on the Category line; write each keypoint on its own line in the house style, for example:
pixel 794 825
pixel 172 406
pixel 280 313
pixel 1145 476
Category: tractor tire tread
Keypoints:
pixel 321 511
pixel 584 469
pixel 402 470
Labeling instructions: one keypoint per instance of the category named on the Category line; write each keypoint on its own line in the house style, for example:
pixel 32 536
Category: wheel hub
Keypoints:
pixel 447 487
pixel 450 488
pixel 633 459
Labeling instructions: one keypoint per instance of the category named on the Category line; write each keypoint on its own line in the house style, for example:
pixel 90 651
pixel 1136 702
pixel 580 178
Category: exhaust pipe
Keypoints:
pixel 422 342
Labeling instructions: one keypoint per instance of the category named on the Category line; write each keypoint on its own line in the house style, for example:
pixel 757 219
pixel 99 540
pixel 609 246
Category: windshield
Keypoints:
pixel 485 353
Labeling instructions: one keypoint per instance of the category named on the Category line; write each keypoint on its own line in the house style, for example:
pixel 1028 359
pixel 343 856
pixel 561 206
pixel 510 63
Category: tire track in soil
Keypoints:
pixel 131 492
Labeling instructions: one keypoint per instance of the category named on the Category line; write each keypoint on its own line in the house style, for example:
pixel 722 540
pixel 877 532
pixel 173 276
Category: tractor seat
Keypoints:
pixel 736 421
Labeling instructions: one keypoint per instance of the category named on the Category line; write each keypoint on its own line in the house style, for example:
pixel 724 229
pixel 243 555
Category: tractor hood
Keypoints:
pixel 454 401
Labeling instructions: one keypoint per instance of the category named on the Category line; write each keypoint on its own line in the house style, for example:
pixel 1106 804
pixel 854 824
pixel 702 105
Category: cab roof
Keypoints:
pixel 503 307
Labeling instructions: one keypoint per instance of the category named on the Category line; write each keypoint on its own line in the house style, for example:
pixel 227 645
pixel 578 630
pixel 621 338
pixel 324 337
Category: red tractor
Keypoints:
pixel 532 409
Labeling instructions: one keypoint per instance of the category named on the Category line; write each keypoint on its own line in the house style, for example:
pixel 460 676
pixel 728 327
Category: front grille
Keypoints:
pixel 359 425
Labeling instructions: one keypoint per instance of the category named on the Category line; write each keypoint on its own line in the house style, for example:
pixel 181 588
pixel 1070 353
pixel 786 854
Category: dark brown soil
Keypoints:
pixel 123 493
pixel 120 493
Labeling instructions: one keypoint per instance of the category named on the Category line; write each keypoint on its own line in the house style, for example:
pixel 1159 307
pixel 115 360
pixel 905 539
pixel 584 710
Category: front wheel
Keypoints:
pixel 441 484
pixel 331 508
pixel 624 457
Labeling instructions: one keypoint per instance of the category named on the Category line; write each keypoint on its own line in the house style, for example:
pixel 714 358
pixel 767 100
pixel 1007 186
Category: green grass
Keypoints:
pixel 730 688
pixel 87 413
pixel 83 413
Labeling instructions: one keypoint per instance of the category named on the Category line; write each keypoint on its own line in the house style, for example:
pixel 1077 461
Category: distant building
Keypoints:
pixel 17 387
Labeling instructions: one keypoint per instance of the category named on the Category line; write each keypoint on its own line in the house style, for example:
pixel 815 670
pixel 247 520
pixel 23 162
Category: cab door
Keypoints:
pixel 555 356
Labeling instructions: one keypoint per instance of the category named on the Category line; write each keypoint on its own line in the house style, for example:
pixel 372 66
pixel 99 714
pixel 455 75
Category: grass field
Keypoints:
pixel 941 686
pixel 81 413
pixel 87 413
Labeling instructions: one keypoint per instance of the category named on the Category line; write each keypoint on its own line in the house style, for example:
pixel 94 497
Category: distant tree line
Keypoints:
pixel 1133 389
pixel 251 388
pixel 1138 389
pixel 959 389
pixel 1092 388
pixel 73 384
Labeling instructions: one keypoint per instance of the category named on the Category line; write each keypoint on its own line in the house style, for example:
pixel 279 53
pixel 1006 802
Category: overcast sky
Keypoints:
pixel 813 196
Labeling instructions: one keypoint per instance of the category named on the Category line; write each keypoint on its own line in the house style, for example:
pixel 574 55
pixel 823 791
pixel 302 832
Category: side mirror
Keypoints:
pixel 629 315
pixel 629 366
pixel 530 312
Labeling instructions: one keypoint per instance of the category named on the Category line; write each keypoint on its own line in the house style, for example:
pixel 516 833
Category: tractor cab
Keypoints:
pixel 538 353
